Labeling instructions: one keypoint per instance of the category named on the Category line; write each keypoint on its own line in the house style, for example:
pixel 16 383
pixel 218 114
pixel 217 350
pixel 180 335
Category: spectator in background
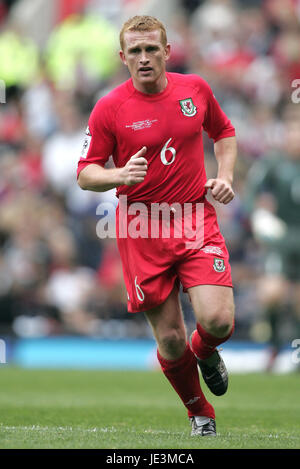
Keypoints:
pixel 19 58
pixel 70 287
pixel 273 199
pixel 60 149
pixel 60 152
pixel 80 52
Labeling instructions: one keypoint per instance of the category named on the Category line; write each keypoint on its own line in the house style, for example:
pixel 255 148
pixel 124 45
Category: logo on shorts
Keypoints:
pixel 188 108
pixel 219 265
pixel 212 250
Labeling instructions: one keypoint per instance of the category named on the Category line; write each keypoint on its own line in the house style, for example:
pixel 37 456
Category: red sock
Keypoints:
pixel 204 343
pixel 184 377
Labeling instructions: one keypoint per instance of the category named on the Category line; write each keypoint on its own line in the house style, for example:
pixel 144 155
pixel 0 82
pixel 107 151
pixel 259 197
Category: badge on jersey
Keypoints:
pixel 86 143
pixel 219 265
pixel 188 108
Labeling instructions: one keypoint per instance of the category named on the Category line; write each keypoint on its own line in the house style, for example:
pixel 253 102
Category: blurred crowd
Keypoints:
pixel 56 275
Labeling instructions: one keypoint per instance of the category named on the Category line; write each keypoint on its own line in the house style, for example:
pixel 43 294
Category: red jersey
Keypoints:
pixel 170 125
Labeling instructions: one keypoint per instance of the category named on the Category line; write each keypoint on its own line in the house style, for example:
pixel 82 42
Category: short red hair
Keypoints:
pixel 143 23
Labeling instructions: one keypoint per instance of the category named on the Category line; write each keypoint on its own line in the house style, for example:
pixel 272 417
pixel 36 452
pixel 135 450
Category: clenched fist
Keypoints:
pixel 135 169
pixel 221 190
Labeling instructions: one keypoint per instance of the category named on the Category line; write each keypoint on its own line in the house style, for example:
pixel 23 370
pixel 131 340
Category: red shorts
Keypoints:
pixel 156 256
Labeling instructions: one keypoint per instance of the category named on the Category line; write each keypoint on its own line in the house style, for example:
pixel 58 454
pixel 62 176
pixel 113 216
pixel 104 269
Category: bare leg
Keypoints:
pixel 214 308
pixel 168 327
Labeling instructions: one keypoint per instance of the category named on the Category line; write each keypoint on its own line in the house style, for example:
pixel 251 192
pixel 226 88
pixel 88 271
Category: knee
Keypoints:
pixel 220 322
pixel 172 343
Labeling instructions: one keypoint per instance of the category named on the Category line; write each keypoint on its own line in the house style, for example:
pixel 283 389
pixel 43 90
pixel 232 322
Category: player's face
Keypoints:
pixel 145 57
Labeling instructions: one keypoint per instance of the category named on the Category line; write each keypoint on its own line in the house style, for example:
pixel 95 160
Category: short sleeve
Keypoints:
pixel 99 139
pixel 216 123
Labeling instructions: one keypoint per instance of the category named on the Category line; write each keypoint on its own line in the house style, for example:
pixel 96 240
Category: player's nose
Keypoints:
pixel 144 58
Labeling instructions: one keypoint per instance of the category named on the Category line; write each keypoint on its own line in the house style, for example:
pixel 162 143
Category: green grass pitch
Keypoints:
pixel 134 409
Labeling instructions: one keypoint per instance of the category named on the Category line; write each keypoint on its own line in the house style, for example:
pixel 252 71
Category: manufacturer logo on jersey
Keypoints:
pixel 188 108
pixel 219 265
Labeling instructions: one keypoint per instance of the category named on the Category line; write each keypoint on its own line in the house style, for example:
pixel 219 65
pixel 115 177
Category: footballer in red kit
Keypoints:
pixel 152 126
pixel 169 125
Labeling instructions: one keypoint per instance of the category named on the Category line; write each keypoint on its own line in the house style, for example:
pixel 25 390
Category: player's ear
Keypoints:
pixel 167 51
pixel 122 57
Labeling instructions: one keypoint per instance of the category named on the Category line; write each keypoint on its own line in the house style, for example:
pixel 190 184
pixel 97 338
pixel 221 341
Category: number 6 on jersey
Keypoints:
pixel 164 151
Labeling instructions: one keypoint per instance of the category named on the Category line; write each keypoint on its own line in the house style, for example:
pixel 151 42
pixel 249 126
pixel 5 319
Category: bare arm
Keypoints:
pixel 95 178
pixel 221 186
